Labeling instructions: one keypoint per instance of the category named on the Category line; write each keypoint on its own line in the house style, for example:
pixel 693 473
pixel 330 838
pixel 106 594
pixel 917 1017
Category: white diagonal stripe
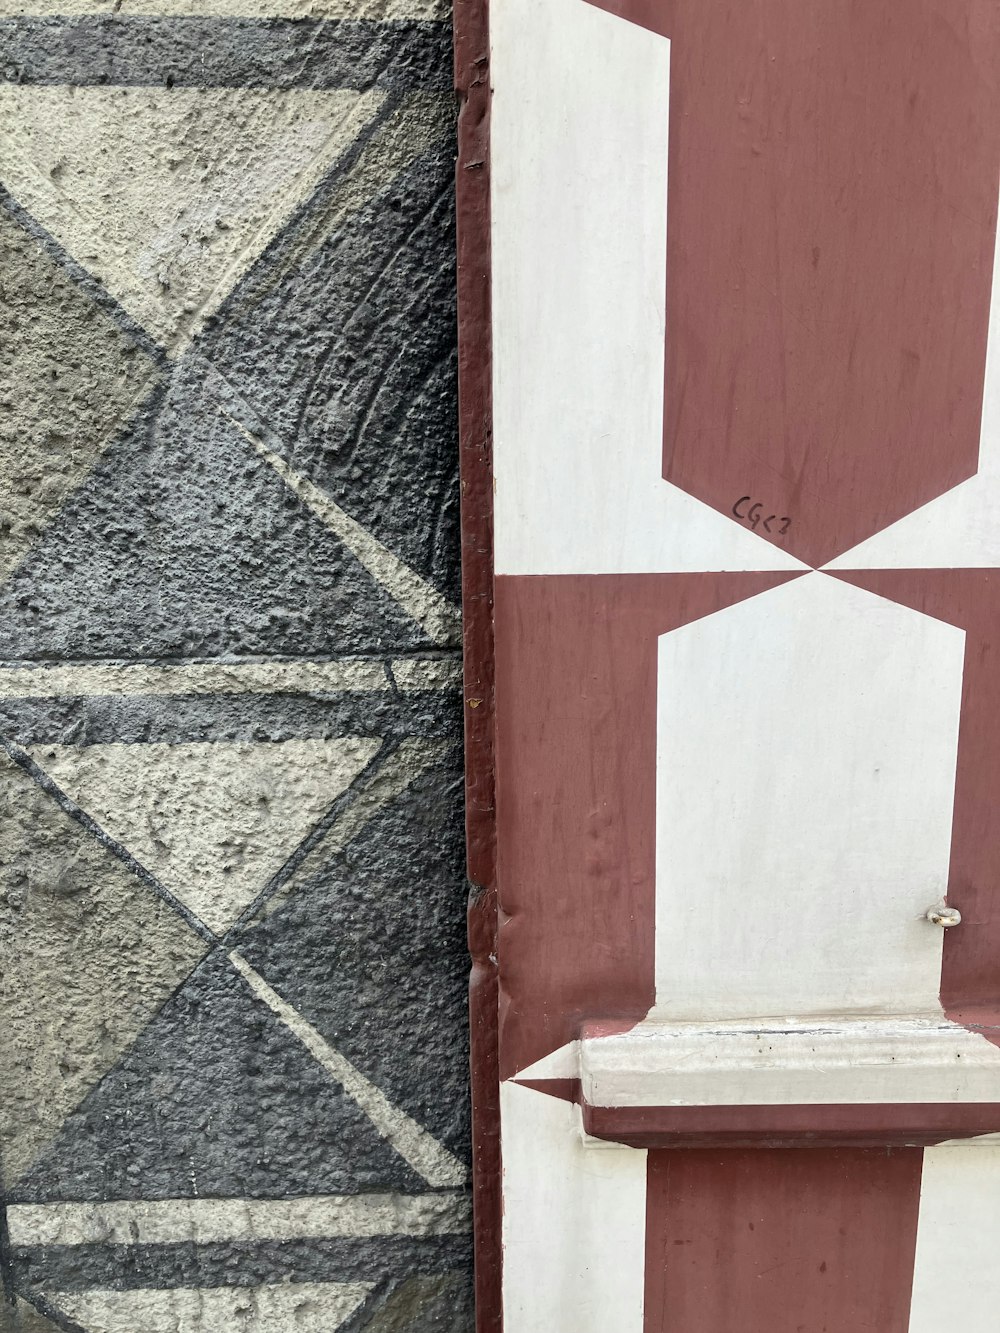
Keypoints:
pixel 412 758
pixel 430 609
pixel 207 1221
pixel 429 1158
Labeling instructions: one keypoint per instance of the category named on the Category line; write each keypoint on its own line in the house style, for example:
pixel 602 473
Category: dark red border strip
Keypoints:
pixel 797 1240
pixel 475 404
pixel 815 1125
pixel 850 1125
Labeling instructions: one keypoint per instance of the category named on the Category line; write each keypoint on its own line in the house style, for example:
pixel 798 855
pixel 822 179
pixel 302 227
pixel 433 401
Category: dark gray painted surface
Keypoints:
pixel 226 52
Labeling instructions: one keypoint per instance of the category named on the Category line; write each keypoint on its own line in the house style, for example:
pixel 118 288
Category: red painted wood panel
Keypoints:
pixel 785 1241
pixel 655 15
pixel 861 1125
pixel 576 792
pixel 833 191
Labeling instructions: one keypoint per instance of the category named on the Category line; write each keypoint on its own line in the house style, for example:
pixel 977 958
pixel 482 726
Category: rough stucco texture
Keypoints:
pixel 232 962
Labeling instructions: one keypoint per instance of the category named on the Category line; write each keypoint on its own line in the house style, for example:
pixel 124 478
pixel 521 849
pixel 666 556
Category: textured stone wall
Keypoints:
pixel 232 961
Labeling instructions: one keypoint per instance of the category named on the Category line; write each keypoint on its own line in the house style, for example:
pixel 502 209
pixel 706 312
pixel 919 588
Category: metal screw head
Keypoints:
pixel 944 916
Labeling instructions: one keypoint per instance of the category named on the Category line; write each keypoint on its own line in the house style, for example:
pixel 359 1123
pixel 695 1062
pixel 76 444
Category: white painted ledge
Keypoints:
pixel 842 1062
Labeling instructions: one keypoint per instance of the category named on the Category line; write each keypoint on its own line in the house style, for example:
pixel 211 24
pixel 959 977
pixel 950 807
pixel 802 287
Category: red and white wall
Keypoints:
pixel 746 470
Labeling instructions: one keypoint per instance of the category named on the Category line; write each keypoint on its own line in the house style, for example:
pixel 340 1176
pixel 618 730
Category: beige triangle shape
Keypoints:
pixel 213 821
pixel 286 1307
pixel 167 196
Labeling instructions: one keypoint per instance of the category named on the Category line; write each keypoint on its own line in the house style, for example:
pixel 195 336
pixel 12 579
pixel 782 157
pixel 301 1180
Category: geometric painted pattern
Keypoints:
pixel 758 554
pixel 232 956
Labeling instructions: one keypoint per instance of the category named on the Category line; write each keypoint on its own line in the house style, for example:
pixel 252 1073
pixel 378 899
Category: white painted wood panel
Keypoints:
pixel 956 1277
pixel 578 313
pixel 574 1222
pixel 896 1061
pixel 807 741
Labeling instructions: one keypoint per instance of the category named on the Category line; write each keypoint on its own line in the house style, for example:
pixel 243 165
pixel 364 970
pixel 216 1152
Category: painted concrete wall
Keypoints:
pixel 232 959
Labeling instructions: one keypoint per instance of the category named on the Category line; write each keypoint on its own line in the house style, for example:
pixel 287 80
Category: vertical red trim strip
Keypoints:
pixel 471 29
pixel 784 1241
